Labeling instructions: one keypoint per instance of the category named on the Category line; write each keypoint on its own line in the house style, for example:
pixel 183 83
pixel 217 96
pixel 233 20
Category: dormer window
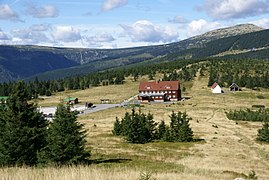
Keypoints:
pixel 167 87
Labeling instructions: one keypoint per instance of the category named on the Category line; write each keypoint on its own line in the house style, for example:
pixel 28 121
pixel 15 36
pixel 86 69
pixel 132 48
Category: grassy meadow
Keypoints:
pixel 228 149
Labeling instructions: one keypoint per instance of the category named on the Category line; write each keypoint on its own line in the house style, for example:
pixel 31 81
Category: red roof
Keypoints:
pixel 160 85
pixel 214 85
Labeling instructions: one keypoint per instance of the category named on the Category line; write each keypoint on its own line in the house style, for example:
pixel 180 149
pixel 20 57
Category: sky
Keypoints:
pixel 121 23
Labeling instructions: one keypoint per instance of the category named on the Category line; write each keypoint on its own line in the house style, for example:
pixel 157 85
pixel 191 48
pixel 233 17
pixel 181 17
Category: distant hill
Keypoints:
pixel 20 62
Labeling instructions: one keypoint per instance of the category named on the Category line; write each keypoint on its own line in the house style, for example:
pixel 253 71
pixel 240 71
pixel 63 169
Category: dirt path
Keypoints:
pixel 229 147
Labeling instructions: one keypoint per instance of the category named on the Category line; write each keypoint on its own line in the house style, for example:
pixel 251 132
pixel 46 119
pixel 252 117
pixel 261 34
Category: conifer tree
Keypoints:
pixel 117 128
pixel 161 130
pixel 22 130
pixel 185 132
pixel 263 133
pixel 179 128
pixel 136 127
pixel 66 143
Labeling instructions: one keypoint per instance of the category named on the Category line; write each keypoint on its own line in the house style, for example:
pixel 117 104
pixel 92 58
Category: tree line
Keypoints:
pixel 249 115
pixel 116 76
pixel 244 72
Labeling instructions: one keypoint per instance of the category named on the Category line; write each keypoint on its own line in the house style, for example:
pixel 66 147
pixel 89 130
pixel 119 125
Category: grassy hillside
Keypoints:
pixel 229 149
pixel 26 61
pixel 250 45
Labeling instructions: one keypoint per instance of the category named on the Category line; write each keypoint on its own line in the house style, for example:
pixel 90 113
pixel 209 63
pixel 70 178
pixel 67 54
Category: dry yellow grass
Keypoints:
pixel 227 152
pixel 116 94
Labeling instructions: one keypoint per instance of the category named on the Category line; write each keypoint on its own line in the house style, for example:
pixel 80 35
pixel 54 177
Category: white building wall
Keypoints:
pixel 216 90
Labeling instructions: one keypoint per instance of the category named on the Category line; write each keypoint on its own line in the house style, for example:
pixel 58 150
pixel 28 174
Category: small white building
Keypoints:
pixel 216 89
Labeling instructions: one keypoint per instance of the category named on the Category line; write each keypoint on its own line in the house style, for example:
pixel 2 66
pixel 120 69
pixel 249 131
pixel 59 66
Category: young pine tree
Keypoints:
pixel 22 130
pixel 137 127
pixel 66 140
pixel 185 132
pixel 117 128
pixel 263 133
pixel 161 130
pixel 179 128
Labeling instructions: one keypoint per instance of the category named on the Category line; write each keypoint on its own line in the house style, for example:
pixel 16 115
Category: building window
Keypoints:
pixel 174 91
pixel 174 96
pixel 169 91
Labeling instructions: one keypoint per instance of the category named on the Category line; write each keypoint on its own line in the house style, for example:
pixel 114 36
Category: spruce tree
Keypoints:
pixel 179 128
pixel 161 130
pixel 117 128
pixel 136 127
pixel 263 133
pixel 185 132
pixel 22 130
pixel 66 143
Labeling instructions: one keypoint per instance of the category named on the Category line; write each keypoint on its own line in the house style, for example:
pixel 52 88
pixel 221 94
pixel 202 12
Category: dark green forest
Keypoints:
pixel 244 72
pixel 114 76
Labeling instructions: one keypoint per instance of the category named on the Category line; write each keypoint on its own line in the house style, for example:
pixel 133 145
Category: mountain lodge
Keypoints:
pixel 159 91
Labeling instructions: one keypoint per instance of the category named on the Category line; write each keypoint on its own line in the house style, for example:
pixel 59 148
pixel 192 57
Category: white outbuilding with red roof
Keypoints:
pixel 216 89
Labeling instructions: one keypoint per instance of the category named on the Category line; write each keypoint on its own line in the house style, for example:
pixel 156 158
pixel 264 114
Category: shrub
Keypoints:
pixel 263 133
pixel 260 97
pixel 258 106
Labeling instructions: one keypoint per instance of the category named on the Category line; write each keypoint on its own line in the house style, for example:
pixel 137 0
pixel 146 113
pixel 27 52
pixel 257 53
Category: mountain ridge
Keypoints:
pixel 34 60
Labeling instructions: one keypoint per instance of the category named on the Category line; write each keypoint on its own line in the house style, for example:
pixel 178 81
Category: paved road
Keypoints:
pixel 81 108
pixel 99 107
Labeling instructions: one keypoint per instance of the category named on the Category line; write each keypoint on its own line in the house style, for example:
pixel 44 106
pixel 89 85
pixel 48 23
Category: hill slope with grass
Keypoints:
pixel 19 62
pixel 229 148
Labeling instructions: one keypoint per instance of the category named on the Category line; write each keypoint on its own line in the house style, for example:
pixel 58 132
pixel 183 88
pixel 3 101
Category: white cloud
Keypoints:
pixel 46 11
pixel 261 23
pixel 30 36
pixel 101 38
pixel 112 4
pixel 65 34
pixel 232 9
pixel 4 36
pixel 201 26
pixel 40 27
pixel 146 31
pixel 178 19
pixel 6 13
